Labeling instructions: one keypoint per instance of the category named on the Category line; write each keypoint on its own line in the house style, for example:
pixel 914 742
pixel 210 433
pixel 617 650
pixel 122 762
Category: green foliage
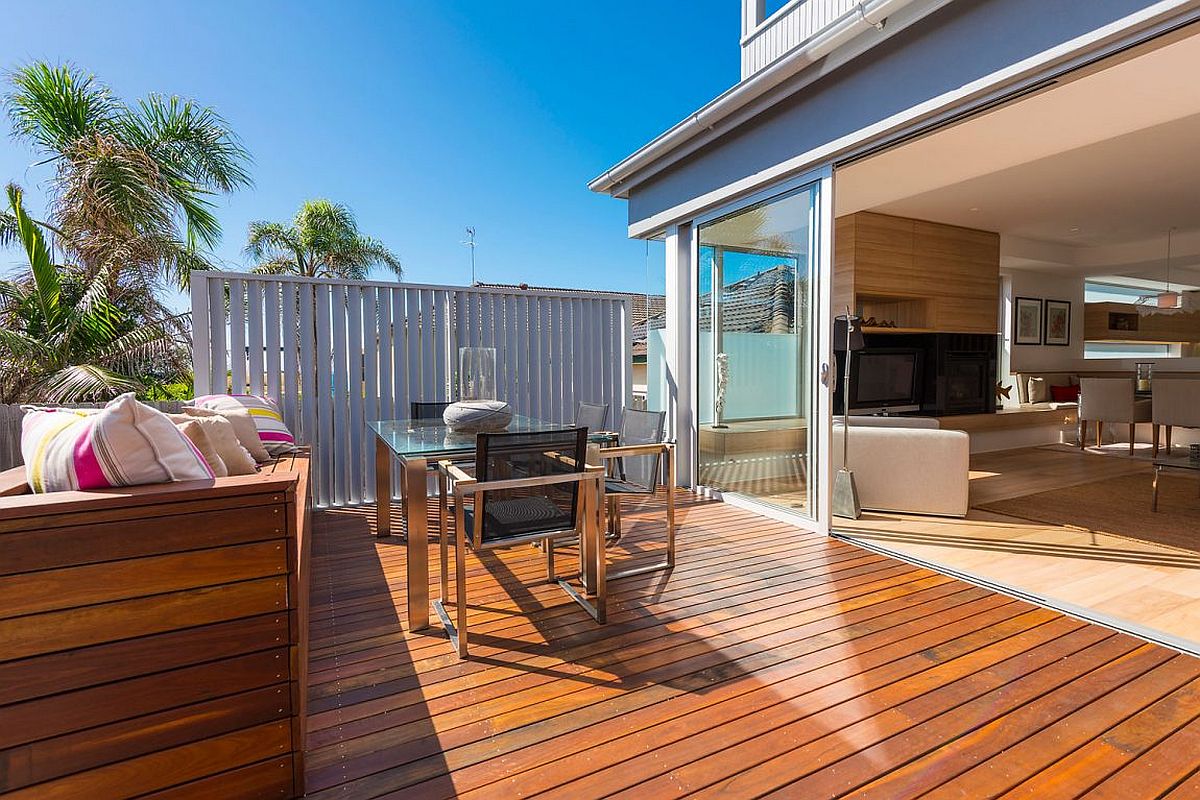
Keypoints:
pixel 134 183
pixel 65 337
pixel 322 241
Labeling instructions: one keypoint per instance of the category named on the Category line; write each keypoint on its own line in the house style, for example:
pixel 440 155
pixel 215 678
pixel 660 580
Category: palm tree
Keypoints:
pixel 64 338
pixel 134 184
pixel 322 241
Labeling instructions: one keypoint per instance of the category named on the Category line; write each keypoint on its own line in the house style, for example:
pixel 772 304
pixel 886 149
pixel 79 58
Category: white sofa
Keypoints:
pixel 907 464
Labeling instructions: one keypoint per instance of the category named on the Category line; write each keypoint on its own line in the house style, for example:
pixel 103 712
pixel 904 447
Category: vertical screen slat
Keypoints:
pixel 323 355
pixel 412 330
pixel 355 380
pixel 218 382
pixel 272 305
pixel 237 336
pixel 254 339
pixel 340 391
pixel 387 389
pixel 202 350
pixel 437 324
pixel 290 364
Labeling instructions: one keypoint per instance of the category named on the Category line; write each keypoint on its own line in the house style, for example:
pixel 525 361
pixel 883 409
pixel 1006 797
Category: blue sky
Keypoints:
pixel 423 117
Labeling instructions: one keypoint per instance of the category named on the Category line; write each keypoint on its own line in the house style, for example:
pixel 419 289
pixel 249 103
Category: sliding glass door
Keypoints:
pixel 756 319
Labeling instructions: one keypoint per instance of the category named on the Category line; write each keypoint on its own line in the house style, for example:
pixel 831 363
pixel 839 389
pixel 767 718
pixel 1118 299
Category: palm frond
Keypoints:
pixel 279 265
pixel 8 229
pixel 19 346
pixel 195 141
pixel 81 383
pixel 55 106
pixel 46 284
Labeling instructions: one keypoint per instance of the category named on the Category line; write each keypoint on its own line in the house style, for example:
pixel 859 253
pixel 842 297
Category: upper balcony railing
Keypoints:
pixel 765 40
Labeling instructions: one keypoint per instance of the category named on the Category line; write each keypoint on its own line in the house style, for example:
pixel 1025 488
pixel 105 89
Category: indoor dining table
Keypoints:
pixel 415 444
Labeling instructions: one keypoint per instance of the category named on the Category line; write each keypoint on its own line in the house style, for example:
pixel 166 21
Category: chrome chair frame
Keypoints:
pixel 587 528
pixel 612 502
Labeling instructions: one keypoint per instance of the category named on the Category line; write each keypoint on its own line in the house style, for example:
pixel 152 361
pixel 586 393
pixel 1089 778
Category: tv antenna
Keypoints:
pixel 470 242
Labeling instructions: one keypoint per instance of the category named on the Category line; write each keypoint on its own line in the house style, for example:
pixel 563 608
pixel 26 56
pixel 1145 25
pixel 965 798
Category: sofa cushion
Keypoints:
pixel 195 433
pixel 1064 394
pixel 1039 390
pixel 126 443
pixel 1052 378
pixel 274 438
pixel 221 434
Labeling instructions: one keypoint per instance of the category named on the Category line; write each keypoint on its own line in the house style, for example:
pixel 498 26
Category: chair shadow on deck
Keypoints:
pixel 644 639
pixel 358 635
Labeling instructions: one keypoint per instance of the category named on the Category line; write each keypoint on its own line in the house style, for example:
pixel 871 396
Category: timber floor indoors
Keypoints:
pixel 1136 585
pixel 772 662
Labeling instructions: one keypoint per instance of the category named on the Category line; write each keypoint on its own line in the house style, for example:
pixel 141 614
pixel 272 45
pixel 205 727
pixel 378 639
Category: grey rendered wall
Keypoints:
pixel 962 42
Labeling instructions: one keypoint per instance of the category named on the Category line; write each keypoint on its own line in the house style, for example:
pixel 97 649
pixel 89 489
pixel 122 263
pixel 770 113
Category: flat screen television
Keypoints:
pixel 886 378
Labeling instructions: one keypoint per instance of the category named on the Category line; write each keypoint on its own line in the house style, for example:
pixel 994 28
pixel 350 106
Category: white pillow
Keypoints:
pixel 126 443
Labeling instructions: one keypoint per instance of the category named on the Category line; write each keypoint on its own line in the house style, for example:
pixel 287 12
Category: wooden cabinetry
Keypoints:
pixel 923 276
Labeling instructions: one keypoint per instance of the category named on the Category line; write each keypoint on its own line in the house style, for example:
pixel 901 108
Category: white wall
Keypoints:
pixel 1043 286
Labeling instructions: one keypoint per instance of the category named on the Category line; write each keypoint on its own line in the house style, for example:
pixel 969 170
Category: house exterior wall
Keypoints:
pixel 961 42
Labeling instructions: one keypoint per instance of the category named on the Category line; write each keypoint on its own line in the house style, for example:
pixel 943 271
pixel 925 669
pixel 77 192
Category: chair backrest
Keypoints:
pixel 528 510
pixel 423 410
pixel 641 427
pixel 1176 402
pixel 1106 399
pixel 591 416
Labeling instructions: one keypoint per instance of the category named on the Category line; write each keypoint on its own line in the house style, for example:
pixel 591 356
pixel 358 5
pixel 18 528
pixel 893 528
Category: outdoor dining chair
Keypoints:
pixel 591 416
pixel 635 468
pixel 420 409
pixel 554 497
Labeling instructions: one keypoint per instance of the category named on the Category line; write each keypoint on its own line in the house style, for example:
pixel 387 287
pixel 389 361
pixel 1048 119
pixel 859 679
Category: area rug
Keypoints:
pixel 1118 506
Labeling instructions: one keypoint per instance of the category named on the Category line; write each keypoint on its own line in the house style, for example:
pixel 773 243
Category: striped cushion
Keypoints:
pixel 126 443
pixel 275 436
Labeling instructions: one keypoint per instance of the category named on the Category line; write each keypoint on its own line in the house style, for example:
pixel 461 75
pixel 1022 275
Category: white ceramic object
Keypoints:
pixel 473 416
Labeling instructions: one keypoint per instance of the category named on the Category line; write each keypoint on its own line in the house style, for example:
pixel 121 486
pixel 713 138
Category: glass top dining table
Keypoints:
pixel 432 438
pixel 415 443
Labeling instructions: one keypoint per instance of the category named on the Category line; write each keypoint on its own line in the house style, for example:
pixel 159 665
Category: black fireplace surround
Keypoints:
pixel 955 372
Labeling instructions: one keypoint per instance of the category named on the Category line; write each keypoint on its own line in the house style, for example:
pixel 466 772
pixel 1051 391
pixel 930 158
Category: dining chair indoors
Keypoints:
pixel 526 487
pixel 634 469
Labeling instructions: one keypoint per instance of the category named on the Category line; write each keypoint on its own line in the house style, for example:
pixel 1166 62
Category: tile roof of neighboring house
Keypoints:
pixel 765 302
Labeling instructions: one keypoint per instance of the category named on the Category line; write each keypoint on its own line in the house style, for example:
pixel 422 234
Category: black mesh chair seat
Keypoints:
pixel 507 519
pixel 618 486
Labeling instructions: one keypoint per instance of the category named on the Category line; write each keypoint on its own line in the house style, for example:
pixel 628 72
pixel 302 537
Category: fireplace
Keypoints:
pixel 957 371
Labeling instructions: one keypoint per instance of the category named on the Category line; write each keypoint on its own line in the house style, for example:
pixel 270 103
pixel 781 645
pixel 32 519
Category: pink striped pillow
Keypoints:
pixel 272 431
pixel 126 443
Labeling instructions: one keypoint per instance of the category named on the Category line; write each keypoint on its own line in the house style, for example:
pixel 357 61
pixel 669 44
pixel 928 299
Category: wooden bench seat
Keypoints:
pixel 153 639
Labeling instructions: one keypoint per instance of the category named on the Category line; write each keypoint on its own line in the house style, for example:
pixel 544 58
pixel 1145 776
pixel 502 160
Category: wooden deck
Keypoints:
pixel 772 662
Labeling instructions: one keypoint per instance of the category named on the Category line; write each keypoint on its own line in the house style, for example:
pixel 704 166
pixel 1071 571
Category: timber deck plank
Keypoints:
pixel 770 661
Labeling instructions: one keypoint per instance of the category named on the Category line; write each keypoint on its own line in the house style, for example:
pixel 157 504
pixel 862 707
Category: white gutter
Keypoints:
pixel 867 15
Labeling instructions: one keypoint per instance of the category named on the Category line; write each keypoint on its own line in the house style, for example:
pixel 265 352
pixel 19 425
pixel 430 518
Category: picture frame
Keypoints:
pixel 1056 323
pixel 1027 320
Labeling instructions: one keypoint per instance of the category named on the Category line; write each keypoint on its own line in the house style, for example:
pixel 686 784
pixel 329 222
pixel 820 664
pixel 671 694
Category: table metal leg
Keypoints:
pixel 1154 493
pixel 383 488
pixel 417 519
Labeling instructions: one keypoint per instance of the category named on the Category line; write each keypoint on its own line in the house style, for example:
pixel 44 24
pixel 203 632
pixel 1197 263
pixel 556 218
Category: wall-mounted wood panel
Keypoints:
pixel 920 275
pixel 1125 322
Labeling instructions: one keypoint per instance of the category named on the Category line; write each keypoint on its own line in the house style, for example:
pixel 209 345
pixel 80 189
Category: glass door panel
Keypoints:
pixel 754 353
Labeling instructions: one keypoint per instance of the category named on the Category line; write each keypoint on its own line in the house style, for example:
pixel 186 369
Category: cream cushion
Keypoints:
pixel 221 435
pixel 915 470
pixel 195 433
pixel 243 427
pixel 1039 390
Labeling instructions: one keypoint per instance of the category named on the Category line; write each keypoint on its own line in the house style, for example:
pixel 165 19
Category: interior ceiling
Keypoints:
pixel 1084 178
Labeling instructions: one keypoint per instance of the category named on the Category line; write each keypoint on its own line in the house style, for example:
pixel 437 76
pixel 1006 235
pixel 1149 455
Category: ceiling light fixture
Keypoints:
pixel 1164 302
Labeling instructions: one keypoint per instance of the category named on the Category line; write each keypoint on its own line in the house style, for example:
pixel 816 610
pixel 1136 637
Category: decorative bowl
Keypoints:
pixel 475 416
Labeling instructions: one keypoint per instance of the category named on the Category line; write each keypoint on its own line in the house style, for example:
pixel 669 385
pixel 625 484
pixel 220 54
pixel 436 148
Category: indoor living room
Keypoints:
pixel 1025 394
